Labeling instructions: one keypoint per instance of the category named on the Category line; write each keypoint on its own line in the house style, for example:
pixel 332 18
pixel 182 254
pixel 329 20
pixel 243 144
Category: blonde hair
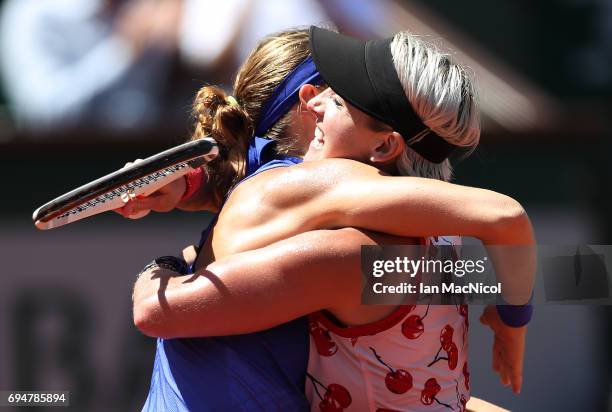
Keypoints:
pixel 232 125
pixel 442 94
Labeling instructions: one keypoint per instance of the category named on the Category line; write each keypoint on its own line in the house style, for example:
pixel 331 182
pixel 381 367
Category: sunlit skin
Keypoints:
pixel 337 125
pixel 305 272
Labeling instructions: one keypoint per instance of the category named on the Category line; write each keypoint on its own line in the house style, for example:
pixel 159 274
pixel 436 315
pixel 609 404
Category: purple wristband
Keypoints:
pixel 515 315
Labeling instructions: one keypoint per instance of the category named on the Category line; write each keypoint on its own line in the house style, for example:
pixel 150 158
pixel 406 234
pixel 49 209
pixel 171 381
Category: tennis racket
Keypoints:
pixel 115 189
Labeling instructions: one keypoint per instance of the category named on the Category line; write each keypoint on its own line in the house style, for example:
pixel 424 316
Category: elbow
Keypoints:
pixel 143 319
pixel 150 319
pixel 512 224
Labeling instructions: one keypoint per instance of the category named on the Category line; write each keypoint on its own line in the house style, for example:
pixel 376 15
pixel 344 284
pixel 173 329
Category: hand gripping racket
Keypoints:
pixel 112 191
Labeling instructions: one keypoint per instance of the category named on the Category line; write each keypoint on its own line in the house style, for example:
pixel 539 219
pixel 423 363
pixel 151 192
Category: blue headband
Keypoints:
pixel 286 94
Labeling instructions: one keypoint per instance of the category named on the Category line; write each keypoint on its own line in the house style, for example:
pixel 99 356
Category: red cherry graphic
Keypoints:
pixel 426 399
pixel 339 394
pixel 398 381
pixel 336 397
pixel 323 341
pixel 432 386
pixel 327 405
pixel 446 337
pixel 430 391
pixel 448 346
pixel 453 356
pixel 428 394
pixel 413 326
pixel 466 376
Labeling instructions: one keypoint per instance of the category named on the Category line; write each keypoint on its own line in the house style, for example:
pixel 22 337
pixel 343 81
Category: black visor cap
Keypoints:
pixel 363 74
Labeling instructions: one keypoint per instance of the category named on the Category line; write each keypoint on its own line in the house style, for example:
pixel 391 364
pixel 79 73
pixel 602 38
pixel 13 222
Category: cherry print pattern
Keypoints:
pixel 322 339
pixel 336 397
pixel 466 376
pixel 413 326
pixel 447 345
pixel 461 400
pixel 398 381
pixel 429 392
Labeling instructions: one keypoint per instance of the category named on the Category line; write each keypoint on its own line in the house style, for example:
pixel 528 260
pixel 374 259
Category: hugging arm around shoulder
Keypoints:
pixel 343 193
pixel 253 290
pixel 258 289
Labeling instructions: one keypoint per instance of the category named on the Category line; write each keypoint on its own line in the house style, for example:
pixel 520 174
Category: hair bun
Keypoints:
pixel 208 100
pixel 230 125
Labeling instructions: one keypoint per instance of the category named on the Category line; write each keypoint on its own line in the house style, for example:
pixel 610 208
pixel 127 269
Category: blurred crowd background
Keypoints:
pixel 88 85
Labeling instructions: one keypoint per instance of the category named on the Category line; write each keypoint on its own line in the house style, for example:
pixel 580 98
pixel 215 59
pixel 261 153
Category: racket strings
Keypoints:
pixel 121 190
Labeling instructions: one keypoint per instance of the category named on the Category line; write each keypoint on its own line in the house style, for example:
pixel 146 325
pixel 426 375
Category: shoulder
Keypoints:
pixel 337 167
pixel 319 175
pixel 284 186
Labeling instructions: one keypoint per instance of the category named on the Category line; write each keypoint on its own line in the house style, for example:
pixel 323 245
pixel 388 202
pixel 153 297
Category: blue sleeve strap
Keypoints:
pixel 515 315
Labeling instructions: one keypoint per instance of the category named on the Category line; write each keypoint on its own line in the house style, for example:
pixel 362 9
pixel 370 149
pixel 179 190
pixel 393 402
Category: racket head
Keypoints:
pixel 138 179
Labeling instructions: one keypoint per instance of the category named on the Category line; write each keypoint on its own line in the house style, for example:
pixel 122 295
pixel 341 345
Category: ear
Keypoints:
pixel 389 148
pixel 307 92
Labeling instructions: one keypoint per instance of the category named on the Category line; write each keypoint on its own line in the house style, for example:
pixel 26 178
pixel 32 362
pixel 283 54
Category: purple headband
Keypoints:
pixel 286 94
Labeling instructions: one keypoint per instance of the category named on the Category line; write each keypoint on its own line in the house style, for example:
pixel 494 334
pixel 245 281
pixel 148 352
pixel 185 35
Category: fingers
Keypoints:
pixel 504 373
pixel 131 211
pixel 499 364
pixel 139 207
pixel 139 215
pixel 120 212
pixel 134 209
pixel 131 163
pixel 508 349
pixel 164 199
pixel 496 357
pixel 515 366
pixel 517 382
pixel 509 360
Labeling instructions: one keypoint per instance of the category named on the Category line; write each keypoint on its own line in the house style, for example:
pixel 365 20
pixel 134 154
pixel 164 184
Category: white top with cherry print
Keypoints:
pixel 413 360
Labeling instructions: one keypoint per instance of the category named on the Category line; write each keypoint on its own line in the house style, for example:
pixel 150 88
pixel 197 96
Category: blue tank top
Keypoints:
pixel 262 371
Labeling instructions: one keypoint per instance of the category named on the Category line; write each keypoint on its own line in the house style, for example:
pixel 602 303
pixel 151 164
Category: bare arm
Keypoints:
pixel 426 207
pixel 253 290
pixel 344 193
pixel 409 206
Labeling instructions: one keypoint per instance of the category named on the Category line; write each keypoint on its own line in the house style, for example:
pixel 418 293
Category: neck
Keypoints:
pixel 389 168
